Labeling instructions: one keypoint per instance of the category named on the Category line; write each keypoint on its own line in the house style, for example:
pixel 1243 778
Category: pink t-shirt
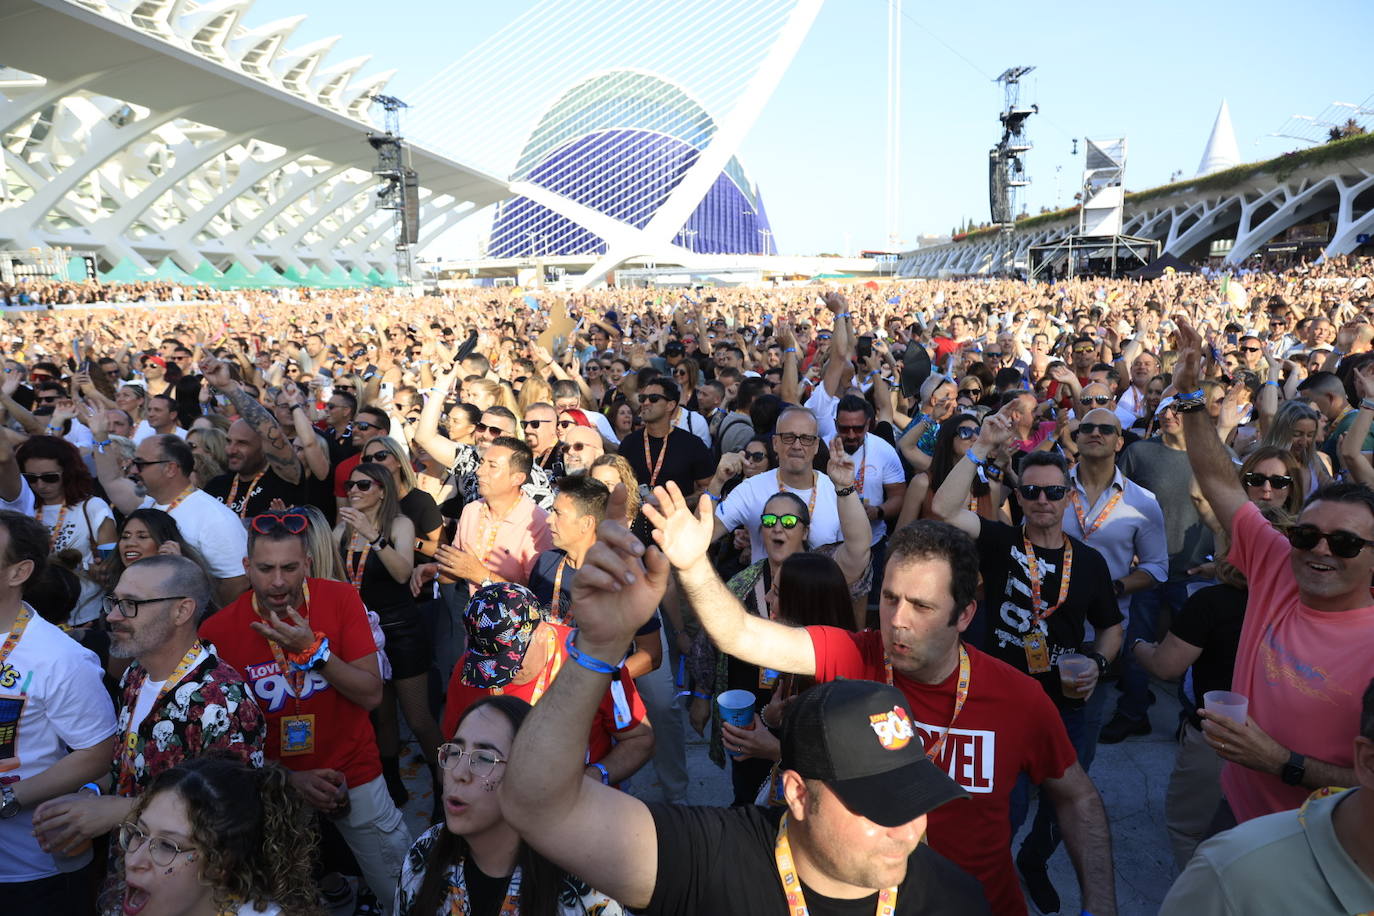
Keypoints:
pixel 1304 670
pixel 515 541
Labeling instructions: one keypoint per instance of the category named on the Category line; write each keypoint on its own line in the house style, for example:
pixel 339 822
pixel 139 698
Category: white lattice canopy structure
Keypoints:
pixel 147 129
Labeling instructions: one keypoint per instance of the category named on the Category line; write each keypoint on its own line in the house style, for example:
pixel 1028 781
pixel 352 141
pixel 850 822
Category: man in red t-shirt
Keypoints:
pixel 511 649
pixel 982 721
pixel 306 651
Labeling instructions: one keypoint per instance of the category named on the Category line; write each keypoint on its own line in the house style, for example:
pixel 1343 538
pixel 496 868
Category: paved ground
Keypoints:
pixel 1132 777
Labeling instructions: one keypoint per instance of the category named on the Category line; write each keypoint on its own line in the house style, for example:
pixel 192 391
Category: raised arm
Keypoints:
pixel 684 537
pixel 856 549
pixel 440 448
pixel 281 457
pixel 315 457
pixel 119 488
pixel 790 388
pixel 1352 443
pixel 950 503
pixel 604 836
pixel 1212 466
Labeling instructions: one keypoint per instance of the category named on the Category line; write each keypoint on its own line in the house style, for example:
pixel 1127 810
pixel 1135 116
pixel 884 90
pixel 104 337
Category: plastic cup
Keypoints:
pixel 737 708
pixel 1233 706
pixel 1072 666
pixel 103 551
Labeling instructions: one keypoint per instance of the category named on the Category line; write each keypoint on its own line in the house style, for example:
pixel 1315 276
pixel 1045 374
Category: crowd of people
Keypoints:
pixel 909 552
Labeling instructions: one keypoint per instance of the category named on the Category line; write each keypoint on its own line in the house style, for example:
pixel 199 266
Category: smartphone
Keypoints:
pixel 1231 340
pixel 77 359
pixel 865 346
pixel 329 316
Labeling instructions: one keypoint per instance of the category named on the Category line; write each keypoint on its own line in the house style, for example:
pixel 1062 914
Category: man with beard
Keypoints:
pixel 178 700
pixel 263 466
pixel 877 471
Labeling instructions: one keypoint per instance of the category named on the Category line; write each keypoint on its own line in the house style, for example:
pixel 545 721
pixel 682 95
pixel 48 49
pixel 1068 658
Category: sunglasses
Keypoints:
pixel 1101 400
pixel 375 456
pixel 844 428
pixel 967 432
pixel 533 424
pixel 1104 429
pixel 1342 543
pixel 1083 349
pixel 792 438
pixel 579 446
pixel 291 522
pixel 362 486
pixel 564 424
pixel 1277 481
pixel 788 522
pixel 824 335
pixel 363 424
pixel 1031 492
pixel 994 354
pixel 343 387
pixel 49 477
pixel 976 392
pixel 492 430
pixel 47 399
pixel 652 398
pixel 141 463
pixel 755 456
pixel 1251 349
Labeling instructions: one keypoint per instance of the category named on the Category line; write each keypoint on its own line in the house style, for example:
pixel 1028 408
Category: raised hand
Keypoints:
pixel 996 431
pixel 216 372
pixel 841 466
pixel 617 590
pixel 683 535
pixel 359 522
pixel 836 302
pixel 1188 369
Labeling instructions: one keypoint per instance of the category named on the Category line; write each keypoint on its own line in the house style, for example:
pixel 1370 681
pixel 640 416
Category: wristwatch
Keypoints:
pixel 1102 663
pixel 1294 770
pixel 1119 587
pixel 9 802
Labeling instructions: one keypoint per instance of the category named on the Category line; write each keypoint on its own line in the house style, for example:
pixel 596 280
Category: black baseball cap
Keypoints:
pixel 858 738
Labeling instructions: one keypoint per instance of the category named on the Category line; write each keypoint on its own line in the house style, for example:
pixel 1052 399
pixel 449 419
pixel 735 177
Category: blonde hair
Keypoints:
pixel 402 461
pixel 215 444
pixel 319 543
pixel 535 390
pixel 627 477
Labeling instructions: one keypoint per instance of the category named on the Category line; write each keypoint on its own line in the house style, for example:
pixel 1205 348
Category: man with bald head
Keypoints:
pixel 262 464
pixel 581 446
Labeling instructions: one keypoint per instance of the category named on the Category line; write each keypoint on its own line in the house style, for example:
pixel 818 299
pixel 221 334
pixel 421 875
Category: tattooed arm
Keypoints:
pixel 281 457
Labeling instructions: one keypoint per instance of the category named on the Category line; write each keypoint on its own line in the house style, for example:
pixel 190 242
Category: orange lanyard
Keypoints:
pixel 859 466
pixel 234 493
pixel 61 517
pixel 960 698
pixel 1102 516
pixel 355 569
pixel 296 679
pixel 663 453
pixel 21 623
pixel 553 662
pixel 1039 610
pixel 556 601
pixel 458 904
pixel 184 493
pixel 815 487
pixel 791 884
pixel 188 661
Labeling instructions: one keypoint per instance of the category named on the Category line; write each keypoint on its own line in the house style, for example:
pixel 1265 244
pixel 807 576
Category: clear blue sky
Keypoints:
pixel 1154 73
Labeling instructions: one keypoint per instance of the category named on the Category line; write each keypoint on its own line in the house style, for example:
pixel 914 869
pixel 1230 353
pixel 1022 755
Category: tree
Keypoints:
pixel 1351 128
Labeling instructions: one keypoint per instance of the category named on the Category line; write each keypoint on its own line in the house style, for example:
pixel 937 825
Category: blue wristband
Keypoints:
pixel 606 776
pixel 317 660
pixel 586 661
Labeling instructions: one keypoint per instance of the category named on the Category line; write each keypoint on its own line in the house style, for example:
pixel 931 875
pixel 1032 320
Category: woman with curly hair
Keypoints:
pixel 214 836
pixel 473 861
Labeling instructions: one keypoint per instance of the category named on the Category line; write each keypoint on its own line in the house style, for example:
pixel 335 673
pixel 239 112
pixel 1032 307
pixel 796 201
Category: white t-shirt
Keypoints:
pixel 694 423
pixel 603 425
pixel 881 466
pixel 143 431
pixel 51 684
pixel 745 503
pixel 212 528
pixel 822 403
pixel 25 503
pixel 78 532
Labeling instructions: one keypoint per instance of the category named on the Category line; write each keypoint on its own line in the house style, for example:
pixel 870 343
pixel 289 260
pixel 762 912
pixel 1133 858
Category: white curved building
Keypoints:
pixel 148 129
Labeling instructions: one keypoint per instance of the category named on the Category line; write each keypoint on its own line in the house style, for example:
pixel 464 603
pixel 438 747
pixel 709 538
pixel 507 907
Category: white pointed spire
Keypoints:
pixel 1221 152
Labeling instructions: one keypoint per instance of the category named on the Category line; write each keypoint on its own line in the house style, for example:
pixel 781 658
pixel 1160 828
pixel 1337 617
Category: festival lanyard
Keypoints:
pixel 188 661
pixel 56 529
pixel 960 698
pixel 791 884
pixel 296 679
pixel 552 663
pixel 355 570
pixel 184 493
pixel 815 488
pixel 458 904
pixel 556 602
pixel 20 624
pixel 1039 609
pixel 649 465
pixel 234 493
pixel 1101 516
pixel 491 527
pixel 861 466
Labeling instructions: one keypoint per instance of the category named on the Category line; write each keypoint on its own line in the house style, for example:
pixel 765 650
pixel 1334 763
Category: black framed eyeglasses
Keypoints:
pixel 481 761
pixel 1277 481
pixel 1343 544
pixel 533 424
pixel 129 607
pixel 492 430
pixel 292 522
pixel 770 520
pixel 160 849
pixel 806 439
pixel 48 477
pixel 1251 349
pixel 1031 492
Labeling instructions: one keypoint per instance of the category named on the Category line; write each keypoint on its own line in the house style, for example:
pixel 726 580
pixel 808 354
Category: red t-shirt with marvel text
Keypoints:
pixel 1008 726
pixel 621 708
pixel 344 739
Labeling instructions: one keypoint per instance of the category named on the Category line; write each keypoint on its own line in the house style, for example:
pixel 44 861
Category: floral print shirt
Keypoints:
pixel 574 898
pixel 210 708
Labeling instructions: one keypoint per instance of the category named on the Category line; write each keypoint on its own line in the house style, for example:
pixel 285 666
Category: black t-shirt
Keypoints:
pixel 268 488
pixel 688 459
pixel 423 512
pixel 719 861
pixel 1211 619
pixel 1006 583
pixel 545 573
pixel 485 893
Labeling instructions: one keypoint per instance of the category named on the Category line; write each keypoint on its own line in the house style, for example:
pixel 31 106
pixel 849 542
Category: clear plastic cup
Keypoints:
pixel 737 708
pixel 1072 666
pixel 1233 706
